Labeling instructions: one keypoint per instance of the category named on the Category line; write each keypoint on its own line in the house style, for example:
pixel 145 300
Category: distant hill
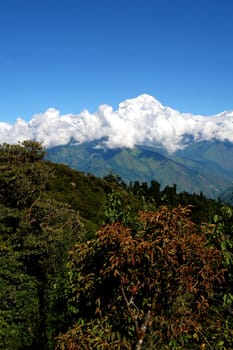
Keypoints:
pixel 201 167
pixel 227 195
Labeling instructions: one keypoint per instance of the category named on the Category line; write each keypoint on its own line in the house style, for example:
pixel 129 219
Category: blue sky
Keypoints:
pixel 76 54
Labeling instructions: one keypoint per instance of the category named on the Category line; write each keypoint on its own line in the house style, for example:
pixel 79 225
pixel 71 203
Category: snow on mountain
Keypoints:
pixel 141 120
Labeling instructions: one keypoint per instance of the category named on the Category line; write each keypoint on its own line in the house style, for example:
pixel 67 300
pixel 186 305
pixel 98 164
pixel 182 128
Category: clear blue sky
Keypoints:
pixel 76 54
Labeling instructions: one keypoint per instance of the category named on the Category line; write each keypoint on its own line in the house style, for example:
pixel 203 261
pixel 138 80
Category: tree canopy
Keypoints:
pixel 88 263
pixel 151 288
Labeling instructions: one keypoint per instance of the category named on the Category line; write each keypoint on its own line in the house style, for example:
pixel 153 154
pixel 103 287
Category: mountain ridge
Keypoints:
pixel 138 121
pixel 145 163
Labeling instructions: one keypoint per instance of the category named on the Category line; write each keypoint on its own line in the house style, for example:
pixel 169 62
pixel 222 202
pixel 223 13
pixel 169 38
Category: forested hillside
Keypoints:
pixel 90 263
pixel 199 167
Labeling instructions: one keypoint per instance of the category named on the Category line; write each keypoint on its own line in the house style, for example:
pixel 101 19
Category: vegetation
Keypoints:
pixel 88 263
pixel 201 166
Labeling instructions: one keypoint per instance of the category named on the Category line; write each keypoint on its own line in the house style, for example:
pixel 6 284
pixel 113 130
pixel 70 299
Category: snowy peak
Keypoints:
pixel 226 114
pixel 142 102
pixel 138 121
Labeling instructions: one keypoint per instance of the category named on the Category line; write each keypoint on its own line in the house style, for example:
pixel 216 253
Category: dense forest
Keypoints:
pixel 90 263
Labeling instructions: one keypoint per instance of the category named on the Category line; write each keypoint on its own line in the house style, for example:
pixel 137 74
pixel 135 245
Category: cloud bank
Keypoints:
pixel 142 120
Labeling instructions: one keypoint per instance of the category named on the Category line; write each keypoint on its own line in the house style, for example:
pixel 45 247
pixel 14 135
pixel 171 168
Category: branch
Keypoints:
pixel 129 307
pixel 142 331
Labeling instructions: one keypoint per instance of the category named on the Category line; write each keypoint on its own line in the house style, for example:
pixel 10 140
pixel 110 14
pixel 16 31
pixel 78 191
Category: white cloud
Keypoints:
pixel 137 121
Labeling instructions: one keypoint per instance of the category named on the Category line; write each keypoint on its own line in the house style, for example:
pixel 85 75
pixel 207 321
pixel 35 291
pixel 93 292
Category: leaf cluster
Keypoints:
pixel 162 277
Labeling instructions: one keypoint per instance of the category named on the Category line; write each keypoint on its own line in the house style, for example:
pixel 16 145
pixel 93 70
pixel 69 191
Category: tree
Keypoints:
pixel 34 150
pixel 39 231
pixel 41 235
pixel 27 151
pixel 154 191
pixel 148 288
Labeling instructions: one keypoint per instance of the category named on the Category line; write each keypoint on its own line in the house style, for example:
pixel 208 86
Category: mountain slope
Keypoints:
pixel 212 159
pixel 227 195
pixel 210 154
pixel 200 173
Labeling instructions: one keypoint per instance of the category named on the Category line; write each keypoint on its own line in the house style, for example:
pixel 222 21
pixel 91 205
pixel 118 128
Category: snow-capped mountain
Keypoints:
pixel 139 121
pixel 141 140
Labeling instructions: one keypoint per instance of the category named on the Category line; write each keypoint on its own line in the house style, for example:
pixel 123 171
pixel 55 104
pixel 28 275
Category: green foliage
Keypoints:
pixel 27 151
pixel 85 194
pixel 222 235
pixel 45 233
pixel 115 210
pixel 38 230
pixel 20 186
pixel 223 239
pixel 19 303
pixel 115 180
